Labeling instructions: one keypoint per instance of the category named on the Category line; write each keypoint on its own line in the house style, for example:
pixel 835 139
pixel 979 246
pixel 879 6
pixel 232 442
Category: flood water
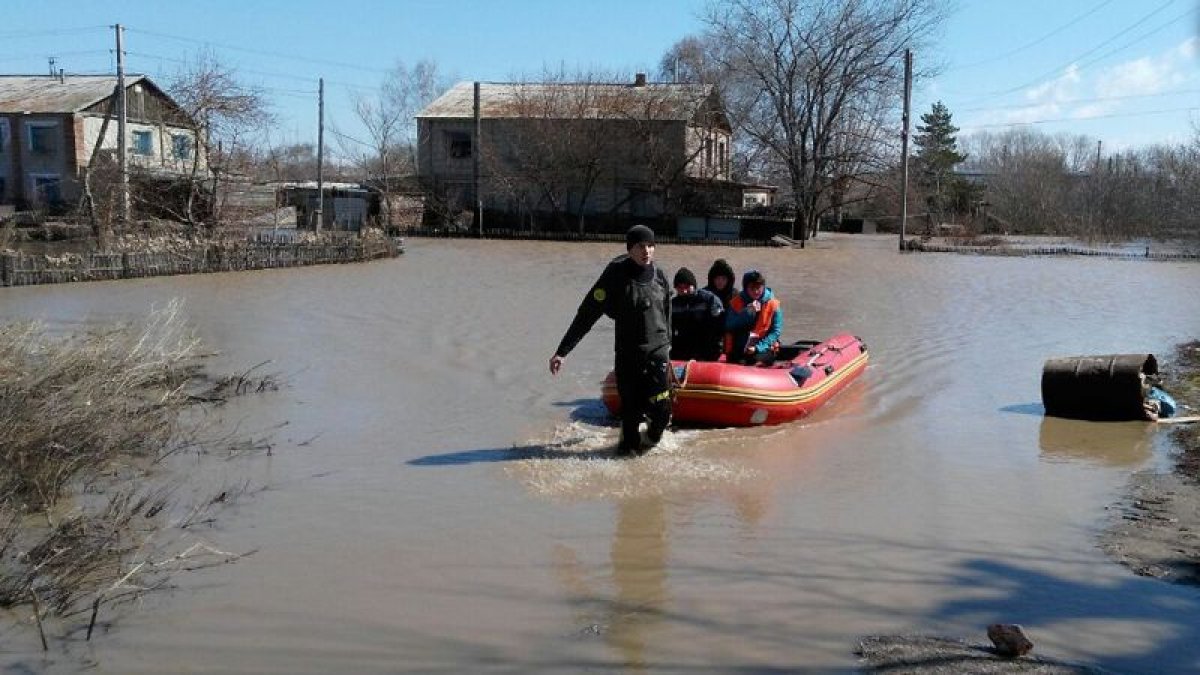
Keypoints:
pixel 437 502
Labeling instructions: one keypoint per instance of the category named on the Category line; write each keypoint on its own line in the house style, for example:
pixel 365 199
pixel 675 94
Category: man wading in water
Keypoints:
pixel 634 293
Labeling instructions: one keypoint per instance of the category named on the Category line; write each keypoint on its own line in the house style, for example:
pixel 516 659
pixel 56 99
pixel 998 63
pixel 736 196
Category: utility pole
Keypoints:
pixel 904 145
pixel 475 150
pixel 320 153
pixel 122 149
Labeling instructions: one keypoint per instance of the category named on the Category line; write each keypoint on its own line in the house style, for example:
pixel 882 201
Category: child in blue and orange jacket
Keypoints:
pixel 753 322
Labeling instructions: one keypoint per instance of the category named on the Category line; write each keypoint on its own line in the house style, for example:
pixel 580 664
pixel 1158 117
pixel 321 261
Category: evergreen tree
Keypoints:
pixel 937 155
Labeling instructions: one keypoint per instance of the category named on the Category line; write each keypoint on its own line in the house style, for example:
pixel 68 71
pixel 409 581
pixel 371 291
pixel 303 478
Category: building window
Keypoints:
pixel 460 144
pixel 143 144
pixel 181 146
pixel 43 138
pixel 3 136
pixel 47 188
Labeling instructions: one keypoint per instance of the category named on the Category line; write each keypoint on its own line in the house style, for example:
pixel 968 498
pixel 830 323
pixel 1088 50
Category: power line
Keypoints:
pixel 57 54
pixel 1098 99
pixel 349 138
pixel 1081 119
pixel 1040 79
pixel 1139 38
pixel 1038 41
pixel 259 52
pixel 18 34
pixel 185 62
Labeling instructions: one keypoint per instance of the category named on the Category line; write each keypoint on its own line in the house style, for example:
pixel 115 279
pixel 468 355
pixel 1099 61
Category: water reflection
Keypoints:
pixel 639 557
pixel 629 616
pixel 1101 443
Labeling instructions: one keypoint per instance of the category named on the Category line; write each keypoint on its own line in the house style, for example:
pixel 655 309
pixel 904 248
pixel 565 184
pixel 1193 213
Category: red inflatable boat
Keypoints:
pixel 715 393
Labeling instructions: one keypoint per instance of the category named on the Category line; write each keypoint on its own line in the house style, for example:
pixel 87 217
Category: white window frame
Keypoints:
pixel 41 124
pixel 133 145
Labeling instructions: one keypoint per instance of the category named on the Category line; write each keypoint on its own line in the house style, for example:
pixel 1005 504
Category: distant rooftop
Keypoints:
pixel 661 101
pixel 46 94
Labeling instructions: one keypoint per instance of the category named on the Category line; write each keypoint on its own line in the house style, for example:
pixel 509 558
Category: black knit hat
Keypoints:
pixel 753 277
pixel 637 235
pixel 684 276
pixel 721 268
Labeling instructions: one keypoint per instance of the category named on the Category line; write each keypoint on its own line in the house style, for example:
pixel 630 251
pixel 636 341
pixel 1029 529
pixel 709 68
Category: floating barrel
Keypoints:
pixel 1110 387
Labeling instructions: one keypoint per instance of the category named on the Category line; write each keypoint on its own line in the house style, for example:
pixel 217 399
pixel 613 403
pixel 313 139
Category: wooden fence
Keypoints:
pixel 20 269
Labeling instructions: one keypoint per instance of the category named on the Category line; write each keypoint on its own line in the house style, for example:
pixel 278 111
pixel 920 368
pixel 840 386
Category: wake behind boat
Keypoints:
pixel 805 376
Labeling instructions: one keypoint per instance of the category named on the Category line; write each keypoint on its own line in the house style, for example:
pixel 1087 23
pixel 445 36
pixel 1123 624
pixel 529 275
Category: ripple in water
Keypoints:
pixel 577 463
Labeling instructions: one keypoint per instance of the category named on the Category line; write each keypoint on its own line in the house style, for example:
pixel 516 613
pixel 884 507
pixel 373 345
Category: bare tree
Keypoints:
pixel 222 112
pixel 817 82
pixel 294 161
pixel 388 117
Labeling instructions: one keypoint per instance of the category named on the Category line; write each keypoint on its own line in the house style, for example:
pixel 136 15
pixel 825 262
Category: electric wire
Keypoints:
pixel 1050 74
pixel 259 52
pixel 19 34
pixel 1036 42
pixel 1073 101
pixel 1142 113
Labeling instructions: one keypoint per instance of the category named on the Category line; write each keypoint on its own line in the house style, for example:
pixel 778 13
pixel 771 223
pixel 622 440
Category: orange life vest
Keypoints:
pixel 762 322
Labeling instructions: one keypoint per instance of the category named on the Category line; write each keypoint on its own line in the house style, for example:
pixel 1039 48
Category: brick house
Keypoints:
pixel 600 152
pixel 50 125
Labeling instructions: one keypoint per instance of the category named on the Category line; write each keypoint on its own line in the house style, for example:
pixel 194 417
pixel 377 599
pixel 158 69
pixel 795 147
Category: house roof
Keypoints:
pixel 45 94
pixel 659 101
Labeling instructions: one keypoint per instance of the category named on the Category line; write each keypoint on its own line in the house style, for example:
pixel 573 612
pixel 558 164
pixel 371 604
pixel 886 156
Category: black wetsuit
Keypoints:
pixel 638 300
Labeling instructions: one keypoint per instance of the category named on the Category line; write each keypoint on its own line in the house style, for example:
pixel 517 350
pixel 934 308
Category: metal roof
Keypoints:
pixel 571 100
pixel 46 94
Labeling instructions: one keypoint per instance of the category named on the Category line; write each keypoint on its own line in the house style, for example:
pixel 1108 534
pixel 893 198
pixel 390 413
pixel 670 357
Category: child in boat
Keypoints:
pixel 720 281
pixel 753 322
pixel 697 321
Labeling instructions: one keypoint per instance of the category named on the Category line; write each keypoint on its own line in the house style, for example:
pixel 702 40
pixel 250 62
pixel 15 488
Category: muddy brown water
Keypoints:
pixel 438 503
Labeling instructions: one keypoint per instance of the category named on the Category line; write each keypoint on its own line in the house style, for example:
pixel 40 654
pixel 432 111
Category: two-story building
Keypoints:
pixel 50 127
pixel 573 149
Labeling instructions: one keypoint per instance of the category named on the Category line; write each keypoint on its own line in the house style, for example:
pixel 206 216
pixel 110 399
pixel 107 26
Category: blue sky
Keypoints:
pixel 1122 71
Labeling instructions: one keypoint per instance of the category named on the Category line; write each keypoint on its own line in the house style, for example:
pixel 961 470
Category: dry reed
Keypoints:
pixel 85 420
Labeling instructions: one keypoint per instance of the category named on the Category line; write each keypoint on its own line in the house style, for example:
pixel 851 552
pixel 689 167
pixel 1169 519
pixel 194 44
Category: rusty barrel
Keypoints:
pixel 1108 387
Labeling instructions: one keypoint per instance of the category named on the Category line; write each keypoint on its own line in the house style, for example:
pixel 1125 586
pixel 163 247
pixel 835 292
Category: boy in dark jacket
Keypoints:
pixel 720 282
pixel 697 321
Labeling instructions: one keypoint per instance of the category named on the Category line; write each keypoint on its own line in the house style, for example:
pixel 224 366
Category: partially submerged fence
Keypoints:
pixel 542 235
pixel 21 269
pixel 1027 250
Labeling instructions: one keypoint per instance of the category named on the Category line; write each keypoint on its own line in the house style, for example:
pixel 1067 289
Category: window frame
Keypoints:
pixel 186 139
pixel 37 195
pixel 135 146
pixel 454 143
pixel 42 125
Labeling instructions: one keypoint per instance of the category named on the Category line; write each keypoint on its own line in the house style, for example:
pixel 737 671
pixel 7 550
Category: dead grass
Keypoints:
pixel 1184 385
pixel 86 500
